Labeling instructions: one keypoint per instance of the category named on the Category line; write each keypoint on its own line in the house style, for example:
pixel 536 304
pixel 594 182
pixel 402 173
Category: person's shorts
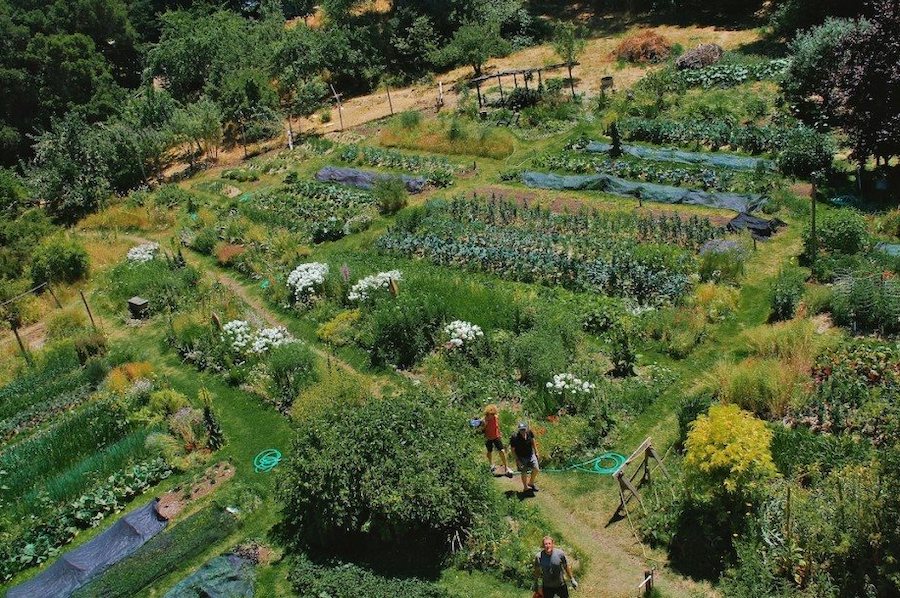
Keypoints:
pixel 490 445
pixel 528 464
pixel 560 592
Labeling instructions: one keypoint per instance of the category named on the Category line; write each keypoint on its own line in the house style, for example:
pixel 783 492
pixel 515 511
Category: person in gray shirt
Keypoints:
pixel 550 570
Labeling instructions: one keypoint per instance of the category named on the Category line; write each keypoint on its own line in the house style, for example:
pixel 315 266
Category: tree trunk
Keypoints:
pixel 571 80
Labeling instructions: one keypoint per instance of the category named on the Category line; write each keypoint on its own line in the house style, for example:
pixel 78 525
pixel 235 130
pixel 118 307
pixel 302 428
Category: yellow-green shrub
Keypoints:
pixel 728 448
pixel 715 302
pixel 341 329
pixel 334 386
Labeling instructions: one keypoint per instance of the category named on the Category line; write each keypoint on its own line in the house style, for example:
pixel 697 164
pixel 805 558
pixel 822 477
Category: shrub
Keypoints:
pixel 410 119
pixel 88 345
pixel 729 449
pixel 889 223
pixel 785 292
pixel 642 47
pixel 334 386
pixel 402 331
pixel 292 367
pixel 351 481
pixel 840 231
pixel 390 195
pixel 690 409
pixel 722 261
pixel 341 329
pixel 715 302
pixel 701 56
pixel 867 301
pixel 65 323
pixel 805 152
pixel 167 402
pixel 205 240
pixel 59 259
pixel 172 196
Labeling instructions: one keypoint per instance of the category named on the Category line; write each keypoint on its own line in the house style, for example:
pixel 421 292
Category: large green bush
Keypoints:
pixel 292 367
pixel 785 293
pixel 838 232
pixel 393 475
pixel 59 259
pixel 346 580
pixel 805 152
pixel 403 330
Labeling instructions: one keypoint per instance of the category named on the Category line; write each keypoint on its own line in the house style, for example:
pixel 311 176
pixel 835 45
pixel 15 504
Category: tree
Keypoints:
pixel 12 194
pixel 298 8
pixel 249 103
pixel 791 16
pixel 297 65
pixel 199 123
pixel 815 54
pixel 568 43
pixel 867 84
pixel 340 496
pixel 473 44
pixel 729 449
pixel 70 173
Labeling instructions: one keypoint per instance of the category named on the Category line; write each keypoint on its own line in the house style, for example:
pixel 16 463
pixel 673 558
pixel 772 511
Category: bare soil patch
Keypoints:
pixel 173 502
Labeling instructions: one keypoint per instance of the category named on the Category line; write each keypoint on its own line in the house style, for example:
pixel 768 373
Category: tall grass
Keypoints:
pixel 26 465
pixel 794 341
pixel 764 386
pixel 449 136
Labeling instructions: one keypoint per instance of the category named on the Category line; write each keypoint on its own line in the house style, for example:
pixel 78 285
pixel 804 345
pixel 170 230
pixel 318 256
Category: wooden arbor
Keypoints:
pixel 627 487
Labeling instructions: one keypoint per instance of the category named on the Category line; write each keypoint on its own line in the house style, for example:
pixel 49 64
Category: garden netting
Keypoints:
pixel 758 227
pixel 365 179
pixel 731 161
pixel 891 249
pixel 645 191
pixel 75 568
pixel 226 576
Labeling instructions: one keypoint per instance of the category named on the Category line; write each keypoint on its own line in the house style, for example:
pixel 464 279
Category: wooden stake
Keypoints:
pixel 52 294
pixel 337 98
pixel 390 103
pixel 87 307
pixel 22 346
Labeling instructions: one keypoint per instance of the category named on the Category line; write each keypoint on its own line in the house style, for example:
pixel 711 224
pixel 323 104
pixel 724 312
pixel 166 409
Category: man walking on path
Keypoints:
pixel 522 443
pixel 550 570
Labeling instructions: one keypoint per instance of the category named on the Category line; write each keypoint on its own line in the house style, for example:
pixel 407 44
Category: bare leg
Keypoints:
pixel 504 461
pixel 534 473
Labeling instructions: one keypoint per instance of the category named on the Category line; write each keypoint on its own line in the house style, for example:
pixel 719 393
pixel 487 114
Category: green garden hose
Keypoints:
pixel 603 464
pixel 266 460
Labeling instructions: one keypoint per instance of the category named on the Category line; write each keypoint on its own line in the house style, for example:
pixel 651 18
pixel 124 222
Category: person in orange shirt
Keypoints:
pixel 493 439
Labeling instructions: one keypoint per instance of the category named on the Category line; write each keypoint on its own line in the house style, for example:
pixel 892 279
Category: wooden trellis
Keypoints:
pixel 628 489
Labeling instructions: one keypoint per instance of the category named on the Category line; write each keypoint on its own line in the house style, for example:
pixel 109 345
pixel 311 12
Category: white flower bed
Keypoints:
pixel 569 384
pixel 306 278
pixel 269 338
pixel 364 287
pixel 244 339
pixel 461 333
pixel 142 253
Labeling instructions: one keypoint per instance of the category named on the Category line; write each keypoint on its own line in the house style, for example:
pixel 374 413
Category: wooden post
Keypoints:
pixel 52 294
pixel 500 85
pixel 540 82
pixel 525 79
pixel 87 307
pixel 516 81
pixel 390 103
pixel 337 98
pixel 440 101
pixel 22 346
pixel 478 91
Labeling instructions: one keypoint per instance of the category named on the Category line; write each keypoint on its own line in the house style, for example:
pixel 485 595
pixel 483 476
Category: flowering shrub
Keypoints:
pixel 306 279
pixel 142 253
pixel 242 339
pixel 363 289
pixel 462 333
pixel 569 384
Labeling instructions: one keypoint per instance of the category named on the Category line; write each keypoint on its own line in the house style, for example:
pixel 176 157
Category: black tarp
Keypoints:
pixel 365 179
pixel 75 568
pixel 732 161
pixel 227 576
pixel 758 227
pixel 645 191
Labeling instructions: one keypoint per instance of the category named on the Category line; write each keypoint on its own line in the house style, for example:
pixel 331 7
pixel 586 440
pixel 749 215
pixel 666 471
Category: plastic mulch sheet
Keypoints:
pixel 75 568
pixel 645 191
pixel 365 179
pixel 227 576
pixel 732 161
pixel 758 227
pixel 891 249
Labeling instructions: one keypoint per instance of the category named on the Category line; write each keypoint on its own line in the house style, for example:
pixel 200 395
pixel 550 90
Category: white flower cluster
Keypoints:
pixel 239 334
pixel 306 277
pixel 142 253
pixel 242 338
pixel 269 338
pixel 360 291
pixel 569 383
pixel 462 332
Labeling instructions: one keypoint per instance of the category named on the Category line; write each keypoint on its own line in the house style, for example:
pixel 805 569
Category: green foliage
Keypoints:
pixel 59 259
pixel 437 171
pixel 839 232
pixel 690 409
pixel 18 239
pixel 785 292
pixel 38 543
pixel 866 300
pixel 410 119
pixel 292 367
pixel 206 240
pixel 715 134
pixel 165 286
pixel 163 554
pixel 403 330
pixel 800 452
pixel 376 476
pixel 805 153
pixel 390 195
pixel 473 45
pixel 729 450
pixel 346 580
pixel 722 262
